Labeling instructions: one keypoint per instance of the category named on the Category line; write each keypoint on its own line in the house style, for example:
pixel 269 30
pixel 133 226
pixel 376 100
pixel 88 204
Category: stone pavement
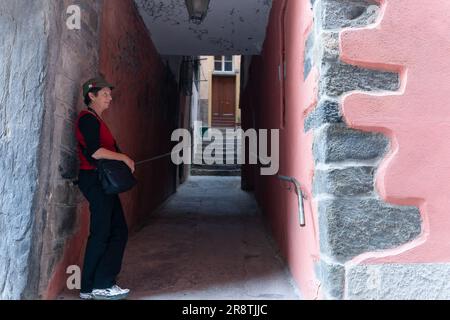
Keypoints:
pixel 207 242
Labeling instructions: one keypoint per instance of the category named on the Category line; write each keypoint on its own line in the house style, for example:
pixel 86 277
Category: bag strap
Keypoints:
pixel 99 120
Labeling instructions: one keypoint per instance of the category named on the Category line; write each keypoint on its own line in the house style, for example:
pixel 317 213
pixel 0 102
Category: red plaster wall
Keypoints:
pixel 262 109
pixel 143 114
pixel 142 117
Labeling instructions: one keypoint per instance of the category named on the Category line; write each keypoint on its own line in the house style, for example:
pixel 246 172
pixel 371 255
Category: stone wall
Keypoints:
pixel 23 73
pixel 45 65
pixel 352 217
pixel 73 58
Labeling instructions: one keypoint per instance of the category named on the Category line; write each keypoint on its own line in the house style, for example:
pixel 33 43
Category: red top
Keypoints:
pixel 106 140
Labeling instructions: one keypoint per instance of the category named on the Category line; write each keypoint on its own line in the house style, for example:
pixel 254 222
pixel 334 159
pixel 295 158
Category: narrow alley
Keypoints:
pixel 208 241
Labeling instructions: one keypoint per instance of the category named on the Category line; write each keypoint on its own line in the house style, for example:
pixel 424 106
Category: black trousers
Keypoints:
pixel 108 235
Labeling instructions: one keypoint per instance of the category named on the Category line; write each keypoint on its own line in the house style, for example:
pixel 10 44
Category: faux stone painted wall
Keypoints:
pixel 415 171
pixel 23 71
pixel 352 217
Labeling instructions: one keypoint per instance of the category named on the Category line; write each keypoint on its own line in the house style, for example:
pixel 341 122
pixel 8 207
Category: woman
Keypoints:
pixel 108 229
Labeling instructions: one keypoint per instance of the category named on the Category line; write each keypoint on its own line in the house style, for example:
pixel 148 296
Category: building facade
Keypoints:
pixel 220 91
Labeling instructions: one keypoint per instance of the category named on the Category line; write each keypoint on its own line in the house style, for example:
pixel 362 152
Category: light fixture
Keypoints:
pixel 197 10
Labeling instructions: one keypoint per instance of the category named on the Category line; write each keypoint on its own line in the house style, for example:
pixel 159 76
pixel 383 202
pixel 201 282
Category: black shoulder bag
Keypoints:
pixel 115 176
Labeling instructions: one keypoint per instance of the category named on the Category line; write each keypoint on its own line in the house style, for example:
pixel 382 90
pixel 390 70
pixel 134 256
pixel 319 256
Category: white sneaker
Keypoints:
pixel 119 289
pixel 109 294
pixel 86 296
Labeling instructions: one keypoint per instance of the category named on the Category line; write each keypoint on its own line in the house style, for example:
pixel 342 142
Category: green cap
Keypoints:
pixel 96 83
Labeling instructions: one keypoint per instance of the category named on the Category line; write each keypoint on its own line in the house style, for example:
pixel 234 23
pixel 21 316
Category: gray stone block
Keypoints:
pixel 309 55
pixel 68 139
pixel 66 194
pixel 352 181
pixel 330 46
pixel 68 165
pixel 67 91
pixel 398 282
pixel 339 78
pixel 349 227
pixel 53 252
pixel 335 143
pixel 337 14
pixel 65 220
pixel 90 15
pixel 332 278
pixel 327 111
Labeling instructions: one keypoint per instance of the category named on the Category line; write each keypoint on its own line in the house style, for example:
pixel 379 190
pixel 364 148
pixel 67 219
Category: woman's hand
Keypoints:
pixel 129 162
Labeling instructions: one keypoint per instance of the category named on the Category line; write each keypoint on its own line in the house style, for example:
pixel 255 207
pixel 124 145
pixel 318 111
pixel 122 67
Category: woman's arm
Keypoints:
pixel 103 153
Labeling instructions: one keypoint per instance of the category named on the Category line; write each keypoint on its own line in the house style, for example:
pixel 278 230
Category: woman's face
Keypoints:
pixel 103 99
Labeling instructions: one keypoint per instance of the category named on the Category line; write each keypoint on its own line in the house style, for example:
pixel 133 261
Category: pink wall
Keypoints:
pixel 263 95
pixel 411 37
pixel 141 117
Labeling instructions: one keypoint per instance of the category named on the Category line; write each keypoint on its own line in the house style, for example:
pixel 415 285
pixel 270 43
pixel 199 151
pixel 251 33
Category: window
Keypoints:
pixel 223 63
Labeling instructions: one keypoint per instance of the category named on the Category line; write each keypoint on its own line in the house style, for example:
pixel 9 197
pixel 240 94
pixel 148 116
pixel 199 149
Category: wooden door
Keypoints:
pixel 223 101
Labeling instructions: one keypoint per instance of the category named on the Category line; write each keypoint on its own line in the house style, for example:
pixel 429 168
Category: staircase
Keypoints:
pixel 209 165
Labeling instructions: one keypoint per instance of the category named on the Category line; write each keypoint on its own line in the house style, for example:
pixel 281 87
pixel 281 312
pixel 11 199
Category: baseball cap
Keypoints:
pixel 96 83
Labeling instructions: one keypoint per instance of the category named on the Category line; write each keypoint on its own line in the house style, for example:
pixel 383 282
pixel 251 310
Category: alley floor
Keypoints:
pixel 206 242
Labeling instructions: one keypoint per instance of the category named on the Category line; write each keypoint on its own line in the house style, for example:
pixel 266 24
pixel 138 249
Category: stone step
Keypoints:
pixel 220 173
pixel 220 156
pixel 225 144
pixel 219 152
pixel 203 163
pixel 224 138
pixel 217 166
pixel 222 130
pixel 223 124
pixel 224 150
pixel 212 159
pixel 224 141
